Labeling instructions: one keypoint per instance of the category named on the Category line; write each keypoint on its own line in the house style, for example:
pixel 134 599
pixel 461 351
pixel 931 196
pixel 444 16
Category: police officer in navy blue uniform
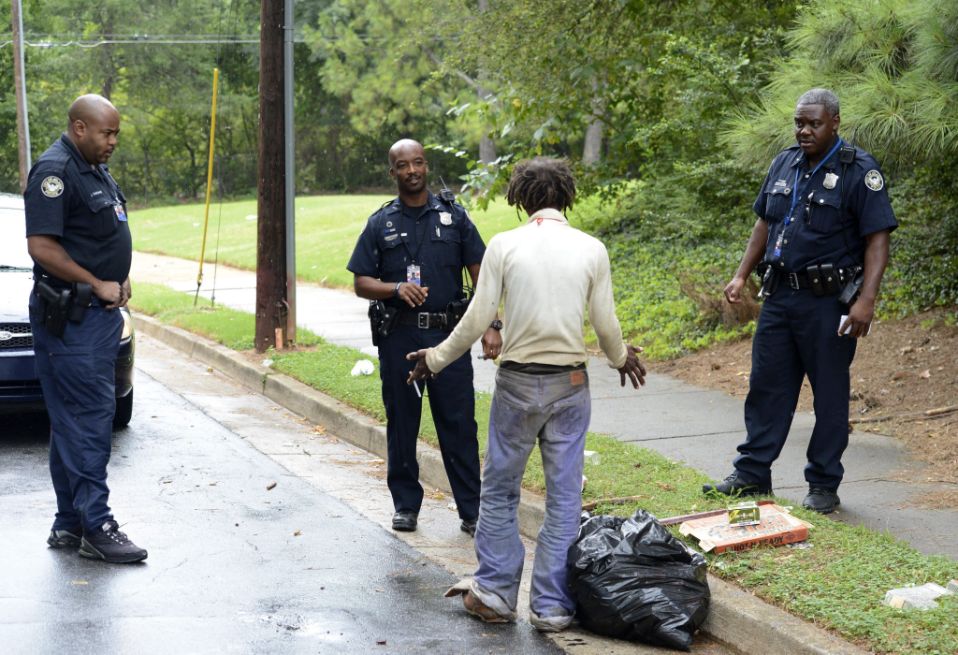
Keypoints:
pixel 410 256
pixel 79 239
pixel 822 236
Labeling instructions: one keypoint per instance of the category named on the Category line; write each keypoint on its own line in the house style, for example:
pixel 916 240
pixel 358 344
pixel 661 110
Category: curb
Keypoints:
pixel 736 617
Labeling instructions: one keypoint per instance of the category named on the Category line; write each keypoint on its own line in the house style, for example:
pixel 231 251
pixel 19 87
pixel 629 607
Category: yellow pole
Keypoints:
pixel 209 184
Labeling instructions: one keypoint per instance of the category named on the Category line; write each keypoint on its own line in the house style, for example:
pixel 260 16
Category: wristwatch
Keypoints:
pixel 496 324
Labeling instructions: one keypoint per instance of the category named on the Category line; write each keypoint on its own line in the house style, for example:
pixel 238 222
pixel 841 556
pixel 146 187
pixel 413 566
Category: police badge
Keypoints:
pixel 830 180
pixel 873 180
pixel 51 186
pixel 445 218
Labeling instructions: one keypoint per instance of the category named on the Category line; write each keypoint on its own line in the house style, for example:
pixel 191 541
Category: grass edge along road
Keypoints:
pixel 837 583
pixel 657 301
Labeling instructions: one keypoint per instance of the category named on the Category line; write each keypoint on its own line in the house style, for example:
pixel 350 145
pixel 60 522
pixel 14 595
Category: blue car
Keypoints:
pixel 19 387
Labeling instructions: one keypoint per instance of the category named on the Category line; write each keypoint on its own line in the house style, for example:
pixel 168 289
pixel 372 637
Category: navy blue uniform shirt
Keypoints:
pixel 835 209
pixel 439 237
pixel 82 206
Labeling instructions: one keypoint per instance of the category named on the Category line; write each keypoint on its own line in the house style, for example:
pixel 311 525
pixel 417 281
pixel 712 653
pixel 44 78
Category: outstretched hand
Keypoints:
pixel 632 368
pixel 420 371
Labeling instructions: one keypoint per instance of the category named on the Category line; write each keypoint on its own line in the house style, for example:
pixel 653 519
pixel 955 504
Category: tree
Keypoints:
pixel 895 66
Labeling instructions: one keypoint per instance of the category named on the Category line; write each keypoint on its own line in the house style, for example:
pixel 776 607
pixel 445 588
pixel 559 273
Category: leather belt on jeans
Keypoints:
pixel 533 368
pixel 424 320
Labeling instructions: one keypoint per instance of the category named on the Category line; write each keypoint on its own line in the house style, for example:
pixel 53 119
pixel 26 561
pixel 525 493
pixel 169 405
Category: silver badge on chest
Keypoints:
pixel 831 179
pixel 445 218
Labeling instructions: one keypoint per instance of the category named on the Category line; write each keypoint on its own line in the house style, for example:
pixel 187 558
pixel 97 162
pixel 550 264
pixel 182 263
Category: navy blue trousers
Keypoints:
pixel 797 336
pixel 77 377
pixel 452 401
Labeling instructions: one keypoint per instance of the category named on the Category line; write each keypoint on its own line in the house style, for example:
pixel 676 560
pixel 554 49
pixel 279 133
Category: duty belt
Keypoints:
pixel 424 320
pixel 806 280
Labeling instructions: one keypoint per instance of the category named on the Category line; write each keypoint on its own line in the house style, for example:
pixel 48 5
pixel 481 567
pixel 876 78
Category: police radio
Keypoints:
pixel 446 194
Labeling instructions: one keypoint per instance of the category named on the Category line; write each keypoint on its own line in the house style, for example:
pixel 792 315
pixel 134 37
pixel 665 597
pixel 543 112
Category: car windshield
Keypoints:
pixel 13 245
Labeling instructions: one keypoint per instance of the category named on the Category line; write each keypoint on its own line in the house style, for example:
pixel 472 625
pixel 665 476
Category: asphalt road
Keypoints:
pixel 234 566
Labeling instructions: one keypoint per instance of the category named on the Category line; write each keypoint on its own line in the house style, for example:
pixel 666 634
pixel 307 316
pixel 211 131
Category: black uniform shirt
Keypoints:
pixel 441 241
pixel 835 210
pixel 83 207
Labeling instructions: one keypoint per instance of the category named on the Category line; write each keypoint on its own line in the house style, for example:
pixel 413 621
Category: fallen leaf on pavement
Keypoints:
pixel 270 486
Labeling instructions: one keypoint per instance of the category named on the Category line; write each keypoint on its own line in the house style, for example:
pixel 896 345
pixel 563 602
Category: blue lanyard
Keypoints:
pixel 798 172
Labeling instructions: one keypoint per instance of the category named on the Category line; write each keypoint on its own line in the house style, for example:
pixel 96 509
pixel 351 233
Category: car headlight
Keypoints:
pixel 127 325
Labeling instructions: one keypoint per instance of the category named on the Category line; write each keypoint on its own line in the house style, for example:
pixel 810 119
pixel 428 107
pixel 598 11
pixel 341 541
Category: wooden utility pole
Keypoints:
pixel 19 81
pixel 271 300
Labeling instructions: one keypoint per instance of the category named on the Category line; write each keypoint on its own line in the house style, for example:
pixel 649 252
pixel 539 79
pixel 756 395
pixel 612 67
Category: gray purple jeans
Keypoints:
pixel 555 410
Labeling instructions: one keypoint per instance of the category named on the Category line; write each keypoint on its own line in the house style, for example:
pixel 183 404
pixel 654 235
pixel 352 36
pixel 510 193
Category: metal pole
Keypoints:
pixel 290 155
pixel 20 82
pixel 209 184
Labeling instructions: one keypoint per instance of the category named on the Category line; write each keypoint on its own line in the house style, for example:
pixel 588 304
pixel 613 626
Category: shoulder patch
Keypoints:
pixel 52 186
pixel 874 180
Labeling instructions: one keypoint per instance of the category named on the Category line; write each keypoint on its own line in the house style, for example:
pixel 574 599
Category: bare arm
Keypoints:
pixel 862 312
pixel 754 252
pixel 372 289
pixel 48 252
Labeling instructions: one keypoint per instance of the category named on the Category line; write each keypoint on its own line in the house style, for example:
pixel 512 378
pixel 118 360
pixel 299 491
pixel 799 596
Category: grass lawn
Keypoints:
pixel 326 231
pixel 838 582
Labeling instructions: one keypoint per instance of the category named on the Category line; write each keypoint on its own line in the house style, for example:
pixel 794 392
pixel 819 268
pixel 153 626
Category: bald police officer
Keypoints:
pixel 822 234
pixel 79 239
pixel 410 256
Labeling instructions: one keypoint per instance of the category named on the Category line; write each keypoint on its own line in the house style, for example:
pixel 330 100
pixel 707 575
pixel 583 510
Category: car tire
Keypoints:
pixel 124 411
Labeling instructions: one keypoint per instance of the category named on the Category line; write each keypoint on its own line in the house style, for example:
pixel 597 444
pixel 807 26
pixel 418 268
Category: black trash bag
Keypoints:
pixel 633 580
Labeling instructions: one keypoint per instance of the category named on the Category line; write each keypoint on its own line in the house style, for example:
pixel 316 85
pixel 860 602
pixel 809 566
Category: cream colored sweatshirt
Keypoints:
pixel 547 274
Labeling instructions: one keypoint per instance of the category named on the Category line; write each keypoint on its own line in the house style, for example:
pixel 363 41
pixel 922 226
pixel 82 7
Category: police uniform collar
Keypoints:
pixel 800 158
pixel 82 164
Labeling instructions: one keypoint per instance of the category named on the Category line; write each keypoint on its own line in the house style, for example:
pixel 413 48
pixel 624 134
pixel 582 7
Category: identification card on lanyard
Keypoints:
pixel 414 274
pixel 120 212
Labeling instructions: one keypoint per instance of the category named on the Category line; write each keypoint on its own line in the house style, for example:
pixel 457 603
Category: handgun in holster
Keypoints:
pixel 769 280
pixel 851 289
pixel 382 320
pixel 62 305
pixel 456 310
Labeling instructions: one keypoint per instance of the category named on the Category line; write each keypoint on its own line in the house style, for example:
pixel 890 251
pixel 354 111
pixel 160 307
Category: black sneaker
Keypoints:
pixel 110 545
pixel 821 500
pixel 469 527
pixel 735 485
pixel 65 538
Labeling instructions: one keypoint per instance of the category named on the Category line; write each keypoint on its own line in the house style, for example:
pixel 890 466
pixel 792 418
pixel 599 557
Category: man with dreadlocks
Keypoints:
pixel 545 273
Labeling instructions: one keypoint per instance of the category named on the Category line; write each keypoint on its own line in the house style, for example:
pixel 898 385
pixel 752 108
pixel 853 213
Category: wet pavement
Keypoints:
pixel 236 564
pixel 883 486
pixel 234 567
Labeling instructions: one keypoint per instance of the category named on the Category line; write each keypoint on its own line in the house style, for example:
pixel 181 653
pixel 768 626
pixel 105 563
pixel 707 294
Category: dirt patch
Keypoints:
pixel 904 385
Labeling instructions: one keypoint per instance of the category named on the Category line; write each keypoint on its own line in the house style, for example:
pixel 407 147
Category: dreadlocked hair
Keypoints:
pixel 540 183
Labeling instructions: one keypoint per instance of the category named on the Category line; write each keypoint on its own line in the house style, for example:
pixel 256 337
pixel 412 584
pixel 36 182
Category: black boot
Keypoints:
pixel 821 500
pixel 735 485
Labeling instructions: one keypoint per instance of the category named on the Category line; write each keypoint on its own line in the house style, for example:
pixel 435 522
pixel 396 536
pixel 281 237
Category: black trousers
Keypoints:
pixel 797 335
pixel 452 401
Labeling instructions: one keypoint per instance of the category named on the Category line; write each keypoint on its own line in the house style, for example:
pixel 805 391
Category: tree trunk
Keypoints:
pixel 592 149
pixel 487 147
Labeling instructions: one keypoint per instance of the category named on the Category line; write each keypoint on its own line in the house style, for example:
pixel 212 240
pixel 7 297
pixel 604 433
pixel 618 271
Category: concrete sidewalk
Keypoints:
pixel 695 426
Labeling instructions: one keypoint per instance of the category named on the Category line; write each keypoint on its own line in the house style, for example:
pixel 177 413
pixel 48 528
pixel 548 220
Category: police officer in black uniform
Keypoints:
pixel 79 239
pixel 822 236
pixel 410 256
